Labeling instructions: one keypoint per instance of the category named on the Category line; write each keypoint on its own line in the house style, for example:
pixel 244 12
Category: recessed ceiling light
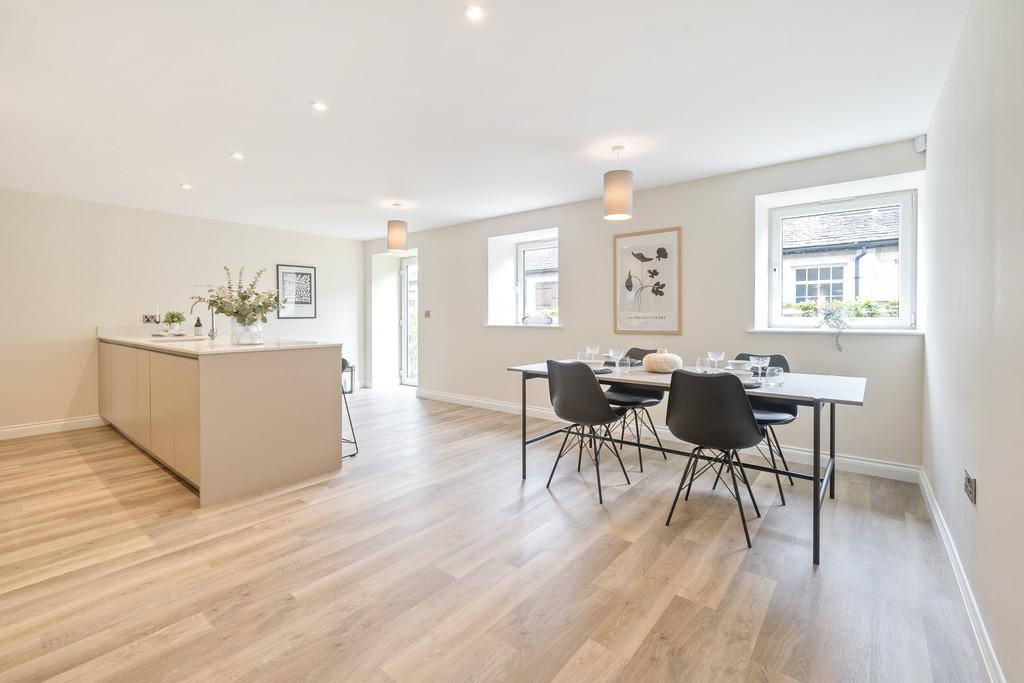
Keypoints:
pixel 474 13
pixel 319 106
pixel 237 156
pixel 186 186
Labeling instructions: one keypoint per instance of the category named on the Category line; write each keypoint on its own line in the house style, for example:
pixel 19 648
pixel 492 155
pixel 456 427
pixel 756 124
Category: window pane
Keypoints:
pixel 801 290
pixel 818 248
pixel 540 259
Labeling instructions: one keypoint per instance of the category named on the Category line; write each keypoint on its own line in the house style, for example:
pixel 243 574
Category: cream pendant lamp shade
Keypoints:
pixel 397 231
pixel 618 192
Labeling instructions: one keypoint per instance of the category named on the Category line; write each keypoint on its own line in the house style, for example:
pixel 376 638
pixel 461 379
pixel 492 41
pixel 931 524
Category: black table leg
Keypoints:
pixel 524 425
pixel 816 464
pixel 832 449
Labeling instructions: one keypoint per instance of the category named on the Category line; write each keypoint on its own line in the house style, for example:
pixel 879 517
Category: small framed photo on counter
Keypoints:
pixel 296 288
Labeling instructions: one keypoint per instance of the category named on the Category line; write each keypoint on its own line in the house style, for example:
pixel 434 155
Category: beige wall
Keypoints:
pixel 970 263
pixel 461 355
pixel 67 266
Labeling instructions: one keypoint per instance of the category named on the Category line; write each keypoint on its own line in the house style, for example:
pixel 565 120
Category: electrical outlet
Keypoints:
pixel 971 487
pixel 150 318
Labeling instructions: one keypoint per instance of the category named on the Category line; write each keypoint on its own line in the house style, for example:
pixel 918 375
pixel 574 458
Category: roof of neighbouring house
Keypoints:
pixel 541 259
pixel 842 228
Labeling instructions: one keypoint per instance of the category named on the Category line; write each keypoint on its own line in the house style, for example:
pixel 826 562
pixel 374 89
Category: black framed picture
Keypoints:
pixel 296 288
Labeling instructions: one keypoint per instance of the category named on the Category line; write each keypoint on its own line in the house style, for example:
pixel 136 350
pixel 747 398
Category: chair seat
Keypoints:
pixel 771 417
pixel 618 398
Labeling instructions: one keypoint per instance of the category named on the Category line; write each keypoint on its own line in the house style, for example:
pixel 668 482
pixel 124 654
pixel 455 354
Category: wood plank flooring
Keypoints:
pixel 427 559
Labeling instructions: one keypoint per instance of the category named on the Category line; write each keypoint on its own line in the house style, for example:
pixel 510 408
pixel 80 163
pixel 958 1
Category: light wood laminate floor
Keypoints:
pixel 427 559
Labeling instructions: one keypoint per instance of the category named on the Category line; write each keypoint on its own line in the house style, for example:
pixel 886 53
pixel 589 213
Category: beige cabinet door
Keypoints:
pixel 141 409
pixel 174 405
pixel 104 380
pixel 123 385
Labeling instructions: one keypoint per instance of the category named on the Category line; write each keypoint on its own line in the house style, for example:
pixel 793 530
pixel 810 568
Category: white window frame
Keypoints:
pixel 903 189
pixel 521 249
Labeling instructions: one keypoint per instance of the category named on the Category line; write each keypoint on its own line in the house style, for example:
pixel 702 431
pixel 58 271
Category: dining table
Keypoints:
pixel 815 391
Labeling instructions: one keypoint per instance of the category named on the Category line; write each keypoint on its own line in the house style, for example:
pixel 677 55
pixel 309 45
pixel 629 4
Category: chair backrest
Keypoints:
pixel 637 353
pixel 576 394
pixel 711 411
pixel 344 364
pixel 778 359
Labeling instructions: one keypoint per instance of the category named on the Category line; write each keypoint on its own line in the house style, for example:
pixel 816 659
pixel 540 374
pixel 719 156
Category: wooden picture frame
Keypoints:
pixel 297 284
pixel 647 292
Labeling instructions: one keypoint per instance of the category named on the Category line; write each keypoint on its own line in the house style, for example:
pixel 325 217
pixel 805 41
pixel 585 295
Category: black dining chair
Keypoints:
pixel 636 400
pixel 770 414
pixel 576 397
pixel 348 367
pixel 712 413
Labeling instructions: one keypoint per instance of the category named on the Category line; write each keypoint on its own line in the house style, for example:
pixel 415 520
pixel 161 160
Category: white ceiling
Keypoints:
pixel 121 101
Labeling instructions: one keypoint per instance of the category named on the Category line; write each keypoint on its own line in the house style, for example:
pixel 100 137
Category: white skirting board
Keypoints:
pixel 845 463
pixel 51 427
pixel 988 654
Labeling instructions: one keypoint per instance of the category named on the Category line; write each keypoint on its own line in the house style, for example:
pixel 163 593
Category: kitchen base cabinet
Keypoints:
pixel 174 410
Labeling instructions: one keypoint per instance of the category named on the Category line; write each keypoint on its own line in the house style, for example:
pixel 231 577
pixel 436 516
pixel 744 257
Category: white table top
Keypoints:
pixel 795 386
pixel 194 349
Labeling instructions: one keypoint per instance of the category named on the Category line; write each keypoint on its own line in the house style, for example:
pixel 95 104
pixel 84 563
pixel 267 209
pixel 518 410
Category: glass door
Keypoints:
pixel 409 324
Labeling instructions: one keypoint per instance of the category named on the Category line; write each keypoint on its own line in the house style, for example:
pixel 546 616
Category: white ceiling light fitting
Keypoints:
pixel 474 13
pixel 618 191
pixel 237 156
pixel 319 106
pixel 185 186
pixel 397 232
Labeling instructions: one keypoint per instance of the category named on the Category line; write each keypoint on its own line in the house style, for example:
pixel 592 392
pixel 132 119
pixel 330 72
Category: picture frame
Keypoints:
pixel 296 288
pixel 647 289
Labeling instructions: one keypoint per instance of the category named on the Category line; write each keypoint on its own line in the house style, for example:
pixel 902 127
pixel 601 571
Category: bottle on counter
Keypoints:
pixel 198 329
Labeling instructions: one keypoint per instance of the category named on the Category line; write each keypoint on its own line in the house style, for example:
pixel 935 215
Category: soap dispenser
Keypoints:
pixel 198 329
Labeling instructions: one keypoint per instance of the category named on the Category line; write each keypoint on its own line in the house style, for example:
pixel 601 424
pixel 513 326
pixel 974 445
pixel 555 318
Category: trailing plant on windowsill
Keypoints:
pixel 834 316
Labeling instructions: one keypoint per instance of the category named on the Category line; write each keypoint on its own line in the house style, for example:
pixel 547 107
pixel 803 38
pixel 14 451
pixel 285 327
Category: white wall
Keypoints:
pixel 970 274
pixel 460 354
pixel 67 266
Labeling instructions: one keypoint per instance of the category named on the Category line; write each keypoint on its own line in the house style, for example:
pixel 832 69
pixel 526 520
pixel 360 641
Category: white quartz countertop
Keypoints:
pixel 209 347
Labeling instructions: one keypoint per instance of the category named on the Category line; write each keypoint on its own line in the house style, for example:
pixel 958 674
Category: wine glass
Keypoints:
pixel 592 352
pixel 616 355
pixel 703 364
pixel 716 357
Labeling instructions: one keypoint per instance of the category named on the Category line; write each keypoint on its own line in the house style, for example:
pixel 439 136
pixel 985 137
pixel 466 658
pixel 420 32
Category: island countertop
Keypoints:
pixel 195 349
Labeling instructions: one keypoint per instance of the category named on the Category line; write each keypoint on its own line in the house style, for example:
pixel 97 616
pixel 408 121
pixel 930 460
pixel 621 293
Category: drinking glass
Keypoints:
pixel 773 376
pixel 703 364
pixel 716 357
pixel 758 364
pixel 616 355
pixel 592 352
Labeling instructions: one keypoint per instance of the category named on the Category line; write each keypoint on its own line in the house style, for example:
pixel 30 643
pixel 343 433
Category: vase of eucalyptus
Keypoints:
pixel 244 304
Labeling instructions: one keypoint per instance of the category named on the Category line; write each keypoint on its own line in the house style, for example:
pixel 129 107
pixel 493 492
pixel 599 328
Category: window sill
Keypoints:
pixel 803 330
pixel 525 327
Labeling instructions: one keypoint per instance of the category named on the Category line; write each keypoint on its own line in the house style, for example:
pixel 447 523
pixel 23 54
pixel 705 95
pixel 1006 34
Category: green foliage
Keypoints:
pixel 171 317
pixel 238 301
pixel 862 308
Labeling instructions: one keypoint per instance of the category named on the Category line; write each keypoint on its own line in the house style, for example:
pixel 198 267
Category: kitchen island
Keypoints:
pixel 229 420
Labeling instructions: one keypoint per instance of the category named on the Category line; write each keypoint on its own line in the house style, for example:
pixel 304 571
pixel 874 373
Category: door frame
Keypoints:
pixel 403 346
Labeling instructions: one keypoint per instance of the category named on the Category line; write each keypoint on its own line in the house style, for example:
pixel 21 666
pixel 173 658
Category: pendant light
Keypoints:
pixel 618 191
pixel 397 231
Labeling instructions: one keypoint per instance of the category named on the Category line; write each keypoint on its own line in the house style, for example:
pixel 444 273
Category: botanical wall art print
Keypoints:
pixel 296 288
pixel 648 282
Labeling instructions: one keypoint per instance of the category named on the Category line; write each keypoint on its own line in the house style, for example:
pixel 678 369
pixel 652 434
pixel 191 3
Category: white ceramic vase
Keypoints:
pixel 662 361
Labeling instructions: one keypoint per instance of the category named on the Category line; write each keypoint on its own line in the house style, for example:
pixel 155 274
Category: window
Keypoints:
pixel 854 253
pixel 522 278
pixel 537 282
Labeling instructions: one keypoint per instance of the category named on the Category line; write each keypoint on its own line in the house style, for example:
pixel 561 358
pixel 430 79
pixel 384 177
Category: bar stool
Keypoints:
pixel 349 368
pixel 636 401
pixel 713 413
pixel 577 398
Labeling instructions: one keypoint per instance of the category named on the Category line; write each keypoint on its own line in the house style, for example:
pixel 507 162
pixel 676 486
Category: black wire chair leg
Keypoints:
pixel 693 474
pixel 615 450
pixel 597 465
pixel 682 482
pixel 771 455
pixel 558 458
pixel 739 500
pixel 654 430
pixel 352 426
pixel 778 448
pixel 743 476
pixel 636 428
